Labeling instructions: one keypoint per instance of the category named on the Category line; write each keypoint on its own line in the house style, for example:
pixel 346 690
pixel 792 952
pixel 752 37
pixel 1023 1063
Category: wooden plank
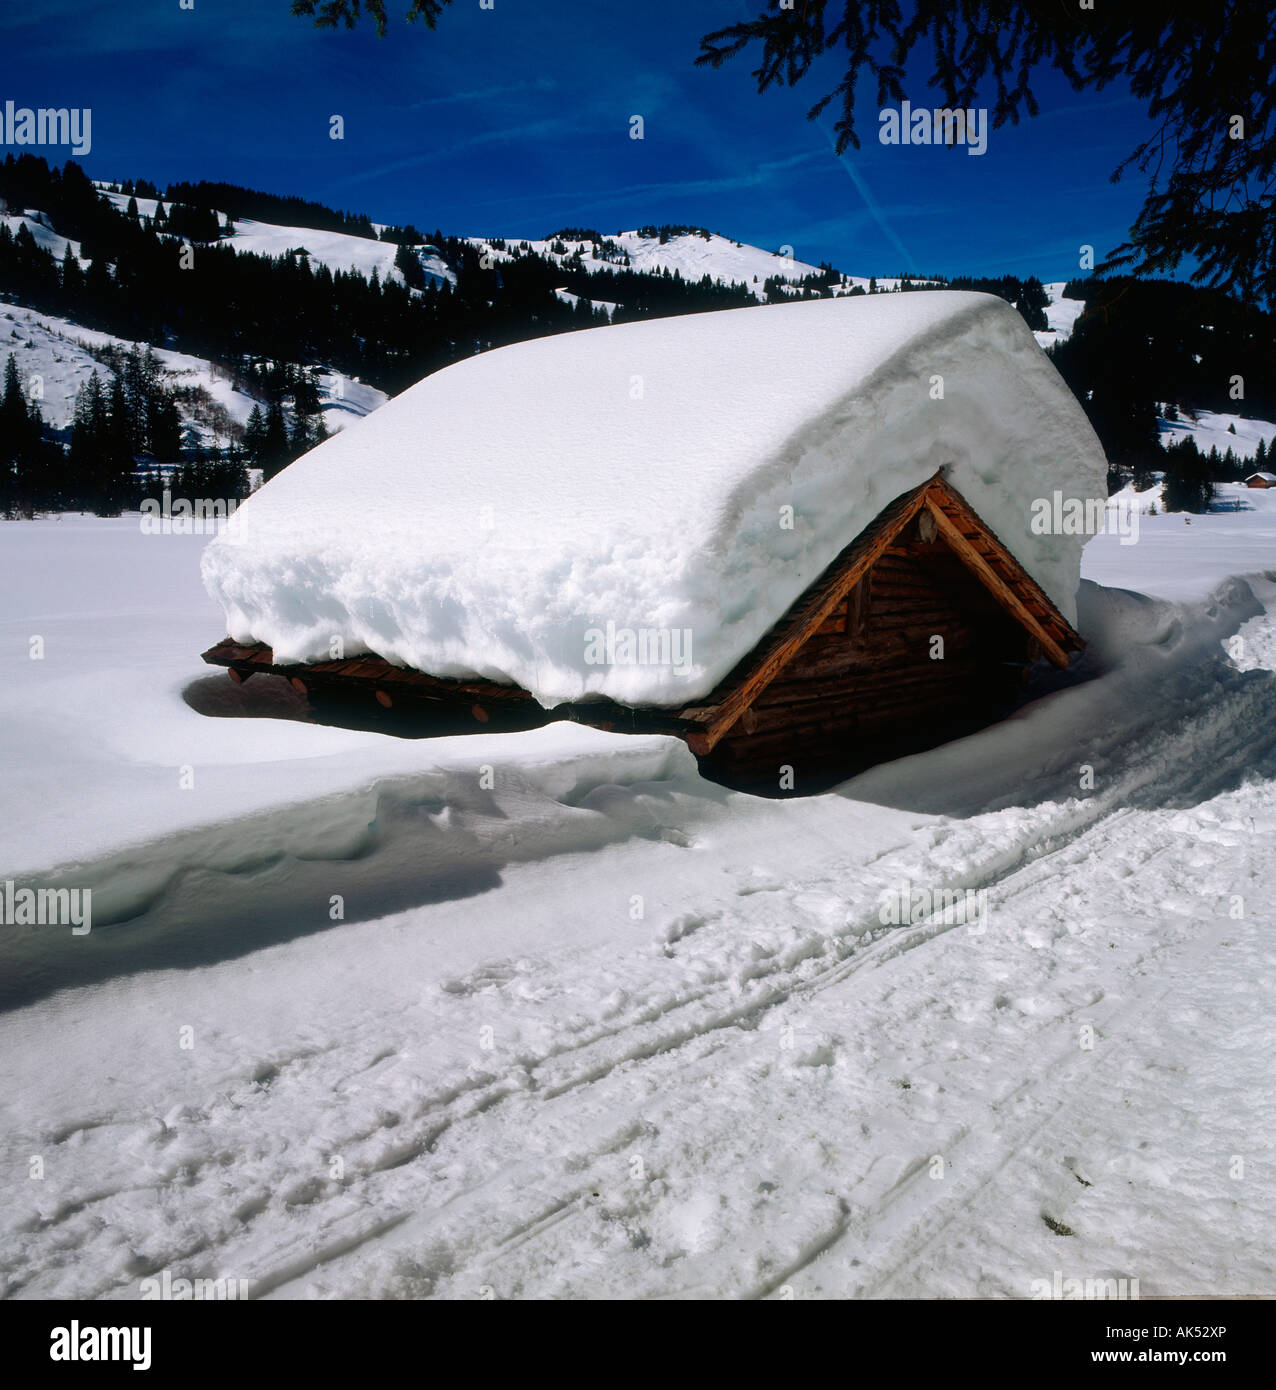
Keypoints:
pixel 368 670
pixel 806 739
pixel 834 590
pixel 821 705
pixel 1029 591
pixel 892 606
pixel 997 586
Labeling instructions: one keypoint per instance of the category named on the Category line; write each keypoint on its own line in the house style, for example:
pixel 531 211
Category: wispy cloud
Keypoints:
pixel 759 175
pixel 493 93
pixel 871 203
pixel 529 130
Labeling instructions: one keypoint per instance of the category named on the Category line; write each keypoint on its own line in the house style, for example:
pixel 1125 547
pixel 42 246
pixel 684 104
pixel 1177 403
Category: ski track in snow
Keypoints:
pixel 741 1092
pixel 753 1109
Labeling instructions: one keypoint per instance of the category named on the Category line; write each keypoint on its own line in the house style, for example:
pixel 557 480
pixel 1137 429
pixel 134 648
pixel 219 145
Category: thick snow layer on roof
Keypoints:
pixel 500 515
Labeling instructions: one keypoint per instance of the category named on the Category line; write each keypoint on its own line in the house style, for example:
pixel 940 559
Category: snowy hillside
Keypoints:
pixel 1061 315
pixel 1218 430
pixel 1210 430
pixel 692 255
pixel 36 222
pixel 55 352
pixel 336 250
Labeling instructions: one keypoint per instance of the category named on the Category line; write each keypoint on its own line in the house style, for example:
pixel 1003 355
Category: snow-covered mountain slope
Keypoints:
pixel 36 222
pixel 1218 430
pixel 565 968
pixel 1061 315
pixel 55 353
pixel 336 250
pixel 689 253
pixel 1209 429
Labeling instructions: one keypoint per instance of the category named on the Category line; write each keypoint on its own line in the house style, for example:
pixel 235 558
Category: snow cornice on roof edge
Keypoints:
pixel 691 476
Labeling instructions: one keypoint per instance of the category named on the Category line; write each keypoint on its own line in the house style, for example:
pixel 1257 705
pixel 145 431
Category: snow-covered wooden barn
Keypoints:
pixel 785 534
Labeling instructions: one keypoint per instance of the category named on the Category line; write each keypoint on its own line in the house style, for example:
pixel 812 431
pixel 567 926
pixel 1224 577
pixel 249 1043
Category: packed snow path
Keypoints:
pixel 612 1031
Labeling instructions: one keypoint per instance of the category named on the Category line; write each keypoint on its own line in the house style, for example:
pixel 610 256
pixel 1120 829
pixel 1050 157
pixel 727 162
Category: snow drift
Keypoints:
pixel 689 475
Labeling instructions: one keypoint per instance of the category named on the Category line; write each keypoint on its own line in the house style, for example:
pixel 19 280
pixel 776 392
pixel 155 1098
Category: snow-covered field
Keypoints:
pixel 590 1026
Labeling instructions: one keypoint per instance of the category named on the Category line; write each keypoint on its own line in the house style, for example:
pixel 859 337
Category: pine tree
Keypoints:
pixel 71 279
pixel 33 465
pixel 164 428
pixel 117 451
pixel 13 428
pixel 299 436
pixel 255 437
pixel 274 453
pixel 23 454
pixel 84 484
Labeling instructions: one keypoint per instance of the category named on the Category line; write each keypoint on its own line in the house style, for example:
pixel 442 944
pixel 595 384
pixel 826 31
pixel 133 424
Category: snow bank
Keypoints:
pixel 1183 556
pixel 496 517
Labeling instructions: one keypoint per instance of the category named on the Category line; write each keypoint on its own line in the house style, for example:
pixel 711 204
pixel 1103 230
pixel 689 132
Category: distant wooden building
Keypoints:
pixel 1261 479
pixel 925 623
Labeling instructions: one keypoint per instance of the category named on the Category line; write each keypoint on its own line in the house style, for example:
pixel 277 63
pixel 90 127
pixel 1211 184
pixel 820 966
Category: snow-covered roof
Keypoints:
pixel 1266 477
pixel 688 476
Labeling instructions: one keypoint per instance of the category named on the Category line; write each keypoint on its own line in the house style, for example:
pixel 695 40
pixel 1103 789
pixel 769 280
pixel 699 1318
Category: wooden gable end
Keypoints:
pixel 933 516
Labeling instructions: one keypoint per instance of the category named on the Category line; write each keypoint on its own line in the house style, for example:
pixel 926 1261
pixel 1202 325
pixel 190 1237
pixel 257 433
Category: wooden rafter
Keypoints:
pixel 739 690
pixel 981 551
pixel 985 566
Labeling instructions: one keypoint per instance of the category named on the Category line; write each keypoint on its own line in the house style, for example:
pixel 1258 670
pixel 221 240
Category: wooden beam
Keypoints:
pixel 994 583
pixel 781 653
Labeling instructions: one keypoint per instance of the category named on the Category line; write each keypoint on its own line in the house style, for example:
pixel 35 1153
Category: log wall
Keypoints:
pixel 866 685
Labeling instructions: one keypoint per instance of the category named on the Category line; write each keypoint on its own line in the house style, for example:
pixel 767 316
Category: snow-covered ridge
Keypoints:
pixel 642 475
pixel 693 256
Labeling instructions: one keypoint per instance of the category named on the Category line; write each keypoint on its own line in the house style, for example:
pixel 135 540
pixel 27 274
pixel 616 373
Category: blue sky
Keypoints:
pixel 515 121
